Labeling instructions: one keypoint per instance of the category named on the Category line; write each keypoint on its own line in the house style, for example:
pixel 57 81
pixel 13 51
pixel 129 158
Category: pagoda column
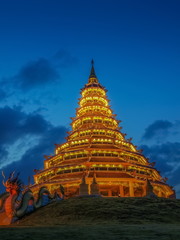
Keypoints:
pixel 121 190
pixel 89 188
pixel 131 189
pixel 160 194
pixel 109 193
pixel 144 190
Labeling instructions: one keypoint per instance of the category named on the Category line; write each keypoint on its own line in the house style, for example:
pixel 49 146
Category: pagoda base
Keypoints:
pixel 106 188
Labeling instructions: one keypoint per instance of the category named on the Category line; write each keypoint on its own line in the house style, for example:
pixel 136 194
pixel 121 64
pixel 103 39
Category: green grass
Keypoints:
pixel 94 232
pixel 104 210
pixel 101 218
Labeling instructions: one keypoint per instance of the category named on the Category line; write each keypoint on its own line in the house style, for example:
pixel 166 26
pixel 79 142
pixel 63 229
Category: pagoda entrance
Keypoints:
pixel 111 191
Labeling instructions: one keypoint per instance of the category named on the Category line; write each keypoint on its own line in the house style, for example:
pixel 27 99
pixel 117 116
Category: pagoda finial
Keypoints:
pixel 92 73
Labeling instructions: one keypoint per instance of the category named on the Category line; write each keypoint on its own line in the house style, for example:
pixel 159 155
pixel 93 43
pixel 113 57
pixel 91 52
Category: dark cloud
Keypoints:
pixel 157 129
pixel 14 124
pixel 64 59
pixel 35 124
pixel 35 74
pixel 166 156
pixel 33 157
pixel 175 178
pixel 39 73
pixel 163 148
pixel 167 159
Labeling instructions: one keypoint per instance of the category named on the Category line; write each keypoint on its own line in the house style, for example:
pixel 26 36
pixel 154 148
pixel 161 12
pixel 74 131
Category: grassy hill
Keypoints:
pixel 103 210
pixel 102 218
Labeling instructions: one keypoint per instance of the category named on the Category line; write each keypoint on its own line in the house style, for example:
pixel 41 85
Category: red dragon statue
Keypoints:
pixel 18 200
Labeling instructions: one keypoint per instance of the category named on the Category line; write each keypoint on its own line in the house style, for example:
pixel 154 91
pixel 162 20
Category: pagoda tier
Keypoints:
pixel 96 147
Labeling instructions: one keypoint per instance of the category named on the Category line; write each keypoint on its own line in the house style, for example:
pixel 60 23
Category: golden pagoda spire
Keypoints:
pixel 92 76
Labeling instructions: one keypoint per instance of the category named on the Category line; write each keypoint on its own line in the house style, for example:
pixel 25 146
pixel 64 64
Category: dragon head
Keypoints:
pixel 13 184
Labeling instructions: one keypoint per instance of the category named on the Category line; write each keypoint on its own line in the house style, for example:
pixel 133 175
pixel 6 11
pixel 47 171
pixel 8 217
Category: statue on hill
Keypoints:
pixel 18 200
pixel 94 186
pixel 83 187
pixel 149 190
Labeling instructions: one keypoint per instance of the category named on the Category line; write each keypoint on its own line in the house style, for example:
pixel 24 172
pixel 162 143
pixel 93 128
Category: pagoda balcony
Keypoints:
pixel 75 157
pixel 61 177
pixel 103 146
pixel 66 176
pixel 70 171
pixel 106 159
pixel 76 146
pixel 101 172
pixel 111 175
pixel 106 170
pixel 71 163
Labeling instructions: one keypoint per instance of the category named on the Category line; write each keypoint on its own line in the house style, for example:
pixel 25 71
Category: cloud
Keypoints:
pixel 35 74
pixel 159 128
pixel 24 139
pixel 164 149
pixel 166 156
pixel 33 157
pixel 64 59
pixel 167 159
pixel 177 188
pixel 14 124
pixel 35 124
pixel 38 73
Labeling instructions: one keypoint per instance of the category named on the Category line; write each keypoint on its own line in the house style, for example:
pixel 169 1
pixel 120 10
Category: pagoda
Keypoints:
pixel 96 157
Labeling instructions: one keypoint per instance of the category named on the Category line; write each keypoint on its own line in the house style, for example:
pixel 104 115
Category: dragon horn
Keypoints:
pixel 11 175
pixel 3 175
pixel 16 178
pixel 4 183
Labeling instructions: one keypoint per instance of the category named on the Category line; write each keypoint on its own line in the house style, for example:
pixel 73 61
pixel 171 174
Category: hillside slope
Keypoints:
pixel 97 210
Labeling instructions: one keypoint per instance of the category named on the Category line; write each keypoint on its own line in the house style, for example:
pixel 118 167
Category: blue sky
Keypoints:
pixel 45 51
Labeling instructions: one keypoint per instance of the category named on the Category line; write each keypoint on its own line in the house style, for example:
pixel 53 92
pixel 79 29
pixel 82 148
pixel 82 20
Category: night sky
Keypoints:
pixel 46 47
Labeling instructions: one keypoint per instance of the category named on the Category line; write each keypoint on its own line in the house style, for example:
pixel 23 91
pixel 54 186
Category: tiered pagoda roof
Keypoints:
pixel 96 146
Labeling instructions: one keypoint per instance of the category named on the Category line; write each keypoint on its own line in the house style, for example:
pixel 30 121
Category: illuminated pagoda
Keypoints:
pixel 97 156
